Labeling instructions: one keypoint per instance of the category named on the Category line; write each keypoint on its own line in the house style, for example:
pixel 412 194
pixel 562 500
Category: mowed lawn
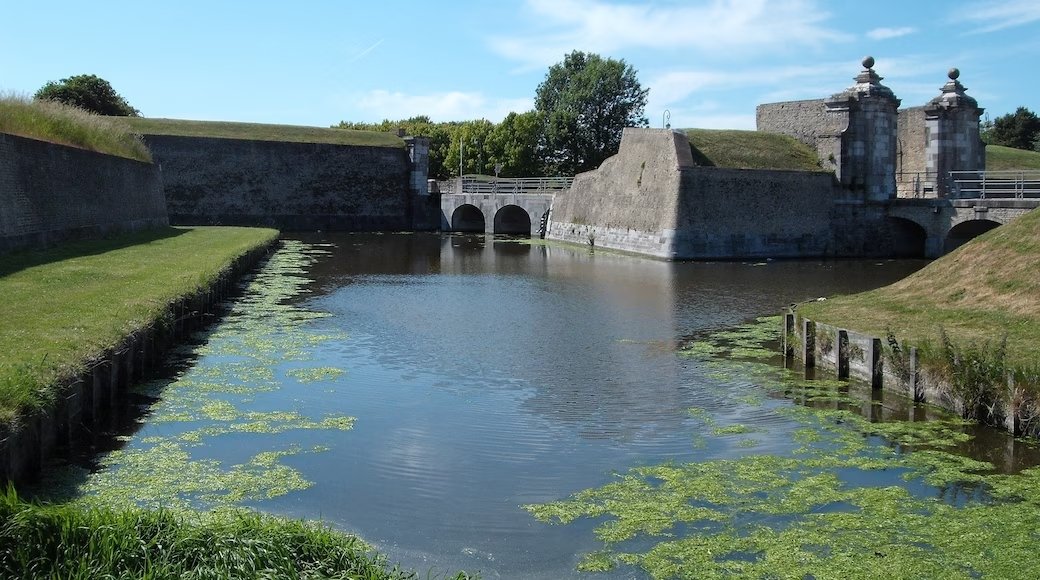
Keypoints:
pixel 62 308
pixel 986 289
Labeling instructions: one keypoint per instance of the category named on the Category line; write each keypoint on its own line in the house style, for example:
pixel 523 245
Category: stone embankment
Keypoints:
pixel 854 356
pixel 90 405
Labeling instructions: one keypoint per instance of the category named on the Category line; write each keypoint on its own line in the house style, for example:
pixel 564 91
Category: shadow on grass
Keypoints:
pixel 21 260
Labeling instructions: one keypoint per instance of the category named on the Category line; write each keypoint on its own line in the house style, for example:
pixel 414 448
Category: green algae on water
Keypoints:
pixel 857 499
pixel 211 399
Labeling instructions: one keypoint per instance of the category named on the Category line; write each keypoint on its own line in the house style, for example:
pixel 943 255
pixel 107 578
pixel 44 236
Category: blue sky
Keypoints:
pixel 709 62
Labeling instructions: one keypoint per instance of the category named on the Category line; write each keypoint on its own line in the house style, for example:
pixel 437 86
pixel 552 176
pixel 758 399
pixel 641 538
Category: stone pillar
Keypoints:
pixel 423 210
pixel 952 141
pixel 867 159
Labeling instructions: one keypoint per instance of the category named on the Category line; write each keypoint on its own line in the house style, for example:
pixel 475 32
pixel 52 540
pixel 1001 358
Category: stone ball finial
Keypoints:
pixel 953 74
pixel 868 62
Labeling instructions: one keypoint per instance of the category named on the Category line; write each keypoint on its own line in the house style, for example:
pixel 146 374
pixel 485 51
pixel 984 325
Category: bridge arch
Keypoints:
pixel 966 231
pixel 909 238
pixel 512 219
pixel 467 218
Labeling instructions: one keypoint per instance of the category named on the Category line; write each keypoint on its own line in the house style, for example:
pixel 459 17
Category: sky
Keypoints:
pixel 708 63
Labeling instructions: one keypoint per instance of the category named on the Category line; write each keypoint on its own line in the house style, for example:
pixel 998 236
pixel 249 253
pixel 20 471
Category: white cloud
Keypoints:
pixel 886 33
pixel 447 106
pixel 714 26
pixel 993 16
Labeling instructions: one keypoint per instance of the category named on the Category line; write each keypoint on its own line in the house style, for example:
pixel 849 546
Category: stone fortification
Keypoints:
pixel 631 201
pixel 51 193
pixel 651 199
pixel 912 178
pixel 807 121
pixel 292 186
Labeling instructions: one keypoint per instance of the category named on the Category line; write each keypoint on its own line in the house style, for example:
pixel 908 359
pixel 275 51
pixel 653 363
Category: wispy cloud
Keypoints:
pixel 998 15
pixel 712 26
pixel 886 33
pixel 446 106
pixel 364 52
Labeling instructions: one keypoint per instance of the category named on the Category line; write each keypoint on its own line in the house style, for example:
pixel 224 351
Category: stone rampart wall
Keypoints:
pixel 809 122
pixel 51 193
pixel 911 158
pixel 292 186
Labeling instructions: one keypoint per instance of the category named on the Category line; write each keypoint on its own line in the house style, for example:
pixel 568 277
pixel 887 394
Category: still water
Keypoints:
pixel 485 374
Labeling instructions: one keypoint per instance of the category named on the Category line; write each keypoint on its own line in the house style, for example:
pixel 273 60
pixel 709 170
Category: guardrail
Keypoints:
pixel 505 185
pixel 995 184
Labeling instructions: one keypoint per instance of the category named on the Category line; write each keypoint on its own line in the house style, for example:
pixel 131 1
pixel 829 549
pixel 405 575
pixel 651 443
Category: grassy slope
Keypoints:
pixel 750 150
pixel 985 289
pixel 58 123
pixel 1004 158
pixel 263 132
pixel 65 306
pixel 74 542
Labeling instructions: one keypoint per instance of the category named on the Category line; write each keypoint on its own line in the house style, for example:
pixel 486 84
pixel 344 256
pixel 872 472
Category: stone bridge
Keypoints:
pixel 499 206
pixel 941 225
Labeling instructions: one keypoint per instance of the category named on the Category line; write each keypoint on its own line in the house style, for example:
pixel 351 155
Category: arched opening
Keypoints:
pixel 467 218
pixel 908 238
pixel 512 219
pixel 966 231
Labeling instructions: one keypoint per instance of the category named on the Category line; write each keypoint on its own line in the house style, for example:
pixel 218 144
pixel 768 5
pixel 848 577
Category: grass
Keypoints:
pixel 65 306
pixel 58 123
pixel 750 150
pixel 71 542
pixel 1006 158
pixel 263 132
pixel 986 289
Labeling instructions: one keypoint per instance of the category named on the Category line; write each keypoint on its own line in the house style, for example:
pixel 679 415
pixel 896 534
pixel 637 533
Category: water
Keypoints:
pixel 486 374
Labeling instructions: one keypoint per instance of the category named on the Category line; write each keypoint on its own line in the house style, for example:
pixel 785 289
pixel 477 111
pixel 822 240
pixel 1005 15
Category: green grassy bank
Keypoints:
pixel 1006 158
pixel 262 132
pixel 74 542
pixel 58 123
pixel 750 150
pixel 64 307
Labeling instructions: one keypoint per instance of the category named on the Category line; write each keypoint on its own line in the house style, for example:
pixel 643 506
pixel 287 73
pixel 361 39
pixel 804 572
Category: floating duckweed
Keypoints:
pixel 810 514
pixel 263 330
pixel 311 375
pixel 737 429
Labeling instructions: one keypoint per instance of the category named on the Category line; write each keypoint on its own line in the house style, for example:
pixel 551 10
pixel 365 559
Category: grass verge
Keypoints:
pixel 1006 158
pixel 64 307
pixel 58 123
pixel 74 542
pixel 984 290
pixel 750 150
pixel 263 132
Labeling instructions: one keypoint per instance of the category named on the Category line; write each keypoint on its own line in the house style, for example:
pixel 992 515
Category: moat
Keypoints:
pixel 420 389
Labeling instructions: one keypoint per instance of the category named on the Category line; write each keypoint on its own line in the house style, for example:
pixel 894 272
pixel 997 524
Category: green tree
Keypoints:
pixel 514 144
pixel 1019 129
pixel 585 102
pixel 88 92
pixel 473 137
pixel 439 134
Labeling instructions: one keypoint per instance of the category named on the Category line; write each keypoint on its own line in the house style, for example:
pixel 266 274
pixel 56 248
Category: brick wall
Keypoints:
pixel 292 186
pixel 51 193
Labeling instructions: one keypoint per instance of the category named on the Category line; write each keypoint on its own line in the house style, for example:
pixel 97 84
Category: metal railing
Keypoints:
pixel 1017 184
pixel 481 185
pixel 916 184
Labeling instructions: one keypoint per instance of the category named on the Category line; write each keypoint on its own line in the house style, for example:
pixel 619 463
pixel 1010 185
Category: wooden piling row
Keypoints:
pixel 89 405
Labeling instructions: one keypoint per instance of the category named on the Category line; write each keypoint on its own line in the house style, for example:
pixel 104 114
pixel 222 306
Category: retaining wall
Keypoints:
pixel 52 193
pixel 290 186
pixel 91 404
pixel 852 355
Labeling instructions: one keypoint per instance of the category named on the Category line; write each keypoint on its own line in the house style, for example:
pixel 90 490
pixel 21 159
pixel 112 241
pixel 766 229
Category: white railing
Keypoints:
pixel 983 184
pixel 488 185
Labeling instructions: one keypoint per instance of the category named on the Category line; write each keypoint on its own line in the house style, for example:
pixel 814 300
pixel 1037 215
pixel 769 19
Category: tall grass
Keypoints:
pixel 750 150
pixel 262 132
pixel 74 542
pixel 59 123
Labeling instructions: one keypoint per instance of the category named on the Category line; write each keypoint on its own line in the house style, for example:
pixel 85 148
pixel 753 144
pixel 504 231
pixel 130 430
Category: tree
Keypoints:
pixel 473 136
pixel 514 144
pixel 585 102
pixel 88 92
pixel 1019 129
pixel 439 134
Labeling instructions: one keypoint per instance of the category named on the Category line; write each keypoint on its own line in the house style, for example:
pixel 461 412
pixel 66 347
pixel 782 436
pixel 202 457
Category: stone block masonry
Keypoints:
pixel 291 186
pixel 52 193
